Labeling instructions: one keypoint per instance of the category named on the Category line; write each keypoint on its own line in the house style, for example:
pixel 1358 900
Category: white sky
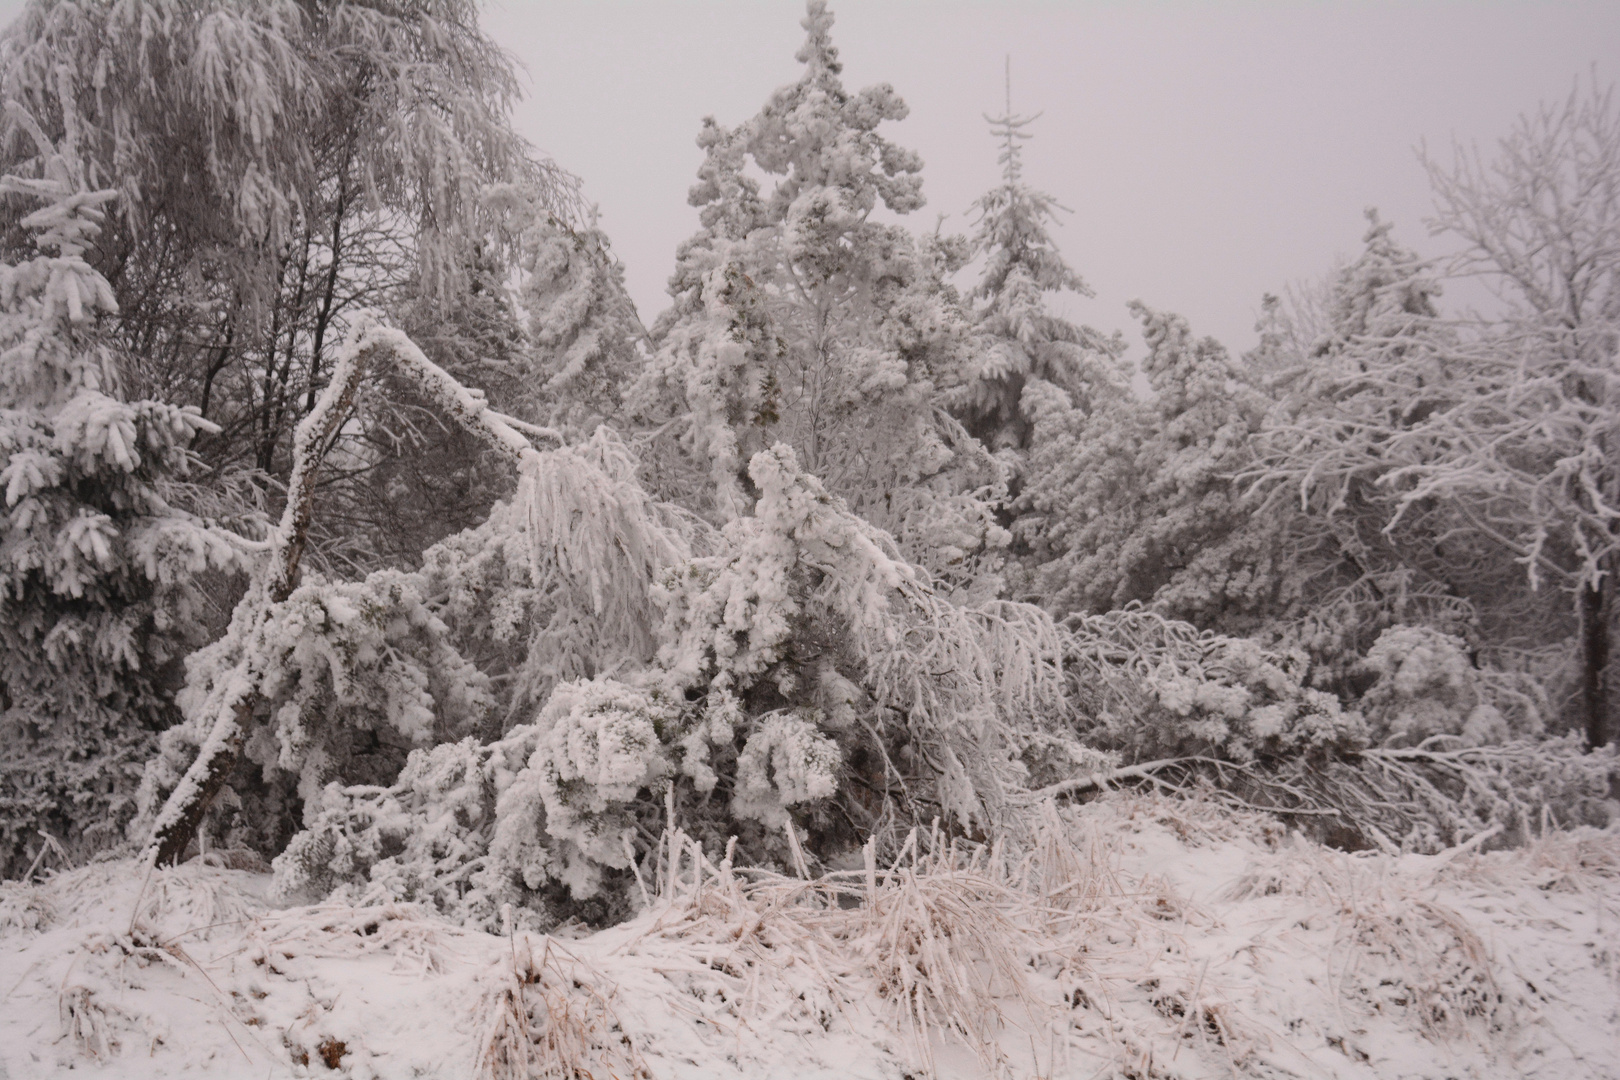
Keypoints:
pixel 1211 152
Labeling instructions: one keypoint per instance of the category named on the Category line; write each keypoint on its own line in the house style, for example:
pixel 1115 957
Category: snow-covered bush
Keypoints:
pixel 1157 688
pixel 800 668
pixel 422 838
pixel 602 746
pixel 808 606
pixel 1427 684
pixel 469 827
pixel 786 760
pixel 345 678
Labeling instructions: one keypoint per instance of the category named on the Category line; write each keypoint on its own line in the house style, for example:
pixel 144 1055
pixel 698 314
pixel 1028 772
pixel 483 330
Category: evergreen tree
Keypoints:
pixel 1131 504
pixel 584 332
pixel 1035 363
pixel 98 568
pixel 800 319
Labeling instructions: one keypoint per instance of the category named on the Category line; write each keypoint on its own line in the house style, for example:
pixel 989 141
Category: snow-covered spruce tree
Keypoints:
pixel 585 336
pixel 1138 502
pixel 799 318
pixel 1035 364
pixel 97 568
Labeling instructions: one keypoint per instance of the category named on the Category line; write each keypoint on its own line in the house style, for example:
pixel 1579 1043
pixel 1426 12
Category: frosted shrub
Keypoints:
pixel 601 747
pixel 420 839
pixel 1428 685
pixel 348 677
pixel 470 827
pixel 785 761
pixel 1157 687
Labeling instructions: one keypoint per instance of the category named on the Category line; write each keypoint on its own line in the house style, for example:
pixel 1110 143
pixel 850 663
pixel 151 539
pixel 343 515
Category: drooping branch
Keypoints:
pixel 371 344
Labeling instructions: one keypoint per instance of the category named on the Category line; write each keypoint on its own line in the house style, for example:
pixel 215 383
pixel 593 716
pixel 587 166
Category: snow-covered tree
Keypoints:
pixel 1138 501
pixel 808 685
pixel 583 328
pixel 280 166
pixel 800 318
pixel 1354 417
pixel 99 571
pixel 1524 445
pixel 1376 363
pixel 1035 364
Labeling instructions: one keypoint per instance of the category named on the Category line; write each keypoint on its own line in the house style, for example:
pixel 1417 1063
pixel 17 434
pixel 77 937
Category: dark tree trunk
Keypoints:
pixel 1596 609
pixel 174 834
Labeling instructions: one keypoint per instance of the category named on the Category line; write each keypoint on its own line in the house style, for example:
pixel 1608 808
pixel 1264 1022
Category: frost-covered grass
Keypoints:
pixel 1134 937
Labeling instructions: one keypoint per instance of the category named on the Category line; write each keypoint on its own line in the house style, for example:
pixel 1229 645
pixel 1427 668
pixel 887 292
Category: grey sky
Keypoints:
pixel 1210 152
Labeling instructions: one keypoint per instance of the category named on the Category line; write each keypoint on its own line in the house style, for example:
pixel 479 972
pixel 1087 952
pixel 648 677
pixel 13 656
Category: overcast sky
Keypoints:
pixel 1210 152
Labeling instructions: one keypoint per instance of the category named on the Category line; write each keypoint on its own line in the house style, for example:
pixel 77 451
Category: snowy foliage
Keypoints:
pixel 601 747
pixel 582 323
pixel 341 676
pixel 1138 500
pixel 1159 688
pixel 99 569
pixel 1427 684
pixel 555 584
pixel 800 318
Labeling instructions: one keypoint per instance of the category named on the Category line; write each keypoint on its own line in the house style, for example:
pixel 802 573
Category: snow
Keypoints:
pixel 1135 936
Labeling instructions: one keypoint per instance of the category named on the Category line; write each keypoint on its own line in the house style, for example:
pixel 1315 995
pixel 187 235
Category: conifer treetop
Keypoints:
pixel 1009 128
pixel 816 134
pixel 1014 218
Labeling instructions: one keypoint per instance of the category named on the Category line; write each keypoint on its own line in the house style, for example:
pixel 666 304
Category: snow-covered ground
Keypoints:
pixel 1138 937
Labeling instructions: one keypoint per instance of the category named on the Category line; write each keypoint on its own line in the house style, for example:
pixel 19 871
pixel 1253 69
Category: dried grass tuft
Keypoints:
pixel 24 906
pixel 196 895
pixel 552 1016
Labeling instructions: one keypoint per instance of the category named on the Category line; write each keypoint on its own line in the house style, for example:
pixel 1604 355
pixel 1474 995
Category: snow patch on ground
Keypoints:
pixel 1139 937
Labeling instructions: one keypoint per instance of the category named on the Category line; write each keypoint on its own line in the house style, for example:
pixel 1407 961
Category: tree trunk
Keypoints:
pixel 175 831
pixel 1596 608
pixel 182 814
